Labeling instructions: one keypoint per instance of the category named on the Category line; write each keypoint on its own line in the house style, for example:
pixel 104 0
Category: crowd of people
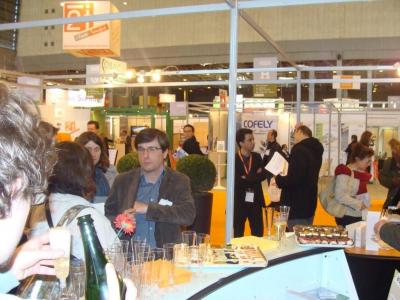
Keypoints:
pixel 55 183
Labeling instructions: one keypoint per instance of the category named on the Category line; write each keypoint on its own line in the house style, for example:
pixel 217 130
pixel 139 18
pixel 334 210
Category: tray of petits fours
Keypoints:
pixel 322 236
pixel 238 256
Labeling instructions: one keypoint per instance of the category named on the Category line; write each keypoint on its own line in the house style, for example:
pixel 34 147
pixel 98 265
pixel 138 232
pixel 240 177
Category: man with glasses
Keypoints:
pixel 159 198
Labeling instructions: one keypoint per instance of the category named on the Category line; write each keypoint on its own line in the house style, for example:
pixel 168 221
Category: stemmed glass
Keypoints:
pixel 60 238
pixel 280 223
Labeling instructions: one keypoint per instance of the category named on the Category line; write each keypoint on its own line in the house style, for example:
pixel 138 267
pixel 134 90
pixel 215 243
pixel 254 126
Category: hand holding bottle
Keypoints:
pixel 114 288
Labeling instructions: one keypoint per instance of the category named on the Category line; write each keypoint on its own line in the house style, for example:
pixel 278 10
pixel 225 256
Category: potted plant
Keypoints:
pixel 128 162
pixel 202 174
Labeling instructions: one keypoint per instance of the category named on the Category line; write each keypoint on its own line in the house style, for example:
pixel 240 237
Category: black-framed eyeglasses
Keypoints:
pixel 148 150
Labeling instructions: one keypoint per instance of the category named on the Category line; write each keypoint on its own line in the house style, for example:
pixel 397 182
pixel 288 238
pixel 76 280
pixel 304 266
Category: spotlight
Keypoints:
pixel 156 75
pixel 130 74
pixel 140 77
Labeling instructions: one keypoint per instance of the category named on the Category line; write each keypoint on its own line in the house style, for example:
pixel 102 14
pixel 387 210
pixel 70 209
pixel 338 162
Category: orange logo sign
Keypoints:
pixel 78 9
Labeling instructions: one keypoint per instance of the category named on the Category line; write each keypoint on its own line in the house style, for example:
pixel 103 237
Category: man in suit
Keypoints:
pixel 300 185
pixel 249 173
pixel 159 197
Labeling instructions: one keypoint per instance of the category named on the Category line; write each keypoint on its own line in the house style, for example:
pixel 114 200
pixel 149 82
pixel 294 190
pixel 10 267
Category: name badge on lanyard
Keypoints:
pixel 249 197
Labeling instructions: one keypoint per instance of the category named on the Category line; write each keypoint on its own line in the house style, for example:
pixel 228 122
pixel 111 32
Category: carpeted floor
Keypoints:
pixel 377 192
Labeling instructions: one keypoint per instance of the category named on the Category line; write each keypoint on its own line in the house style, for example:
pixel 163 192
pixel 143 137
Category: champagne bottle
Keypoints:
pixel 96 278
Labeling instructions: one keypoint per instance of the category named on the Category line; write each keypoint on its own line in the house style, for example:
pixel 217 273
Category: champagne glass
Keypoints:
pixel 60 238
pixel 269 211
pixel 280 224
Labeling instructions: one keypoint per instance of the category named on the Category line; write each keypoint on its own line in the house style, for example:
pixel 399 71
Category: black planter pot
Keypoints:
pixel 203 202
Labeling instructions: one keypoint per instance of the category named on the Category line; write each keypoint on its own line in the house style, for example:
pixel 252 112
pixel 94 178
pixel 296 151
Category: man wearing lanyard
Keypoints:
pixel 249 173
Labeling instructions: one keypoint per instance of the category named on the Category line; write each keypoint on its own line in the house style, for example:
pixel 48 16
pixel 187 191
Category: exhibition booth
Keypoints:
pixel 291 270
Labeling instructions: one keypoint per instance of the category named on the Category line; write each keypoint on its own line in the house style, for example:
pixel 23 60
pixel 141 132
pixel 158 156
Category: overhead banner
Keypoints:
pixel 100 38
pixel 89 98
pixel 265 90
pixel 346 85
pixel 167 98
pixel 260 123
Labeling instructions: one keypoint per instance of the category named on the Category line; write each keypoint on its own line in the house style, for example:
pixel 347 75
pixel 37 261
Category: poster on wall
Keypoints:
pixel 260 123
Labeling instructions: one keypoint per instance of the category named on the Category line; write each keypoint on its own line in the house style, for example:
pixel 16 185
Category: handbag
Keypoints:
pixel 328 200
pixel 273 191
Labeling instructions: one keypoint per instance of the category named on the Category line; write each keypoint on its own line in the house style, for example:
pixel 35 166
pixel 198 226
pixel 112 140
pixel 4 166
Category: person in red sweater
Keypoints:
pixel 351 185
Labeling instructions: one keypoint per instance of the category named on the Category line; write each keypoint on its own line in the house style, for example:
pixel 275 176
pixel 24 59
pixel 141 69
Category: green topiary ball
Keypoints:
pixel 200 170
pixel 128 162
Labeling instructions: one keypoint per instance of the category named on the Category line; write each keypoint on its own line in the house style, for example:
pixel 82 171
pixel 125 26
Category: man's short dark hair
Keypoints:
pixel 95 123
pixel 73 172
pixel 241 135
pixel 305 130
pixel 189 126
pixel 274 133
pixel 149 134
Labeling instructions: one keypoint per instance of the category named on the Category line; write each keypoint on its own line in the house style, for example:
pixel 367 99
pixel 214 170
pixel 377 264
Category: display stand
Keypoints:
pixel 219 186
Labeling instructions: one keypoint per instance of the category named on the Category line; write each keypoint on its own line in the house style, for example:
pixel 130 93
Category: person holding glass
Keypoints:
pixel 25 164
pixel 351 185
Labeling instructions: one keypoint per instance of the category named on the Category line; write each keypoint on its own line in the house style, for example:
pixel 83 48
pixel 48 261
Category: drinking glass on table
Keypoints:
pixel 189 238
pixel 169 262
pixel 78 278
pixel 280 223
pixel 203 241
pixel 60 238
pixel 269 212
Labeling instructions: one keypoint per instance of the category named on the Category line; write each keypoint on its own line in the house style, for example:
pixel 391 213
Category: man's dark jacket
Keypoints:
pixel 252 181
pixel 300 185
pixel 175 187
pixel 192 146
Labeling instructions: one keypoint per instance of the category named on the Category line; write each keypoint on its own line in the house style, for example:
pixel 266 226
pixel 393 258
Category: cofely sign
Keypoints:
pixel 258 124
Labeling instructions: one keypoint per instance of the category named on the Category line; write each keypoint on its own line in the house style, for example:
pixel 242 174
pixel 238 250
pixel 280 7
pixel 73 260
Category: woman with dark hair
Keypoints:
pixel 366 138
pixel 389 175
pixel 70 187
pixel 105 173
pixel 351 185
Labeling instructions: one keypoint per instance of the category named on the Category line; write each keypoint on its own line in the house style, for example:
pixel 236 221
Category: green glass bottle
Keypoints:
pixel 96 278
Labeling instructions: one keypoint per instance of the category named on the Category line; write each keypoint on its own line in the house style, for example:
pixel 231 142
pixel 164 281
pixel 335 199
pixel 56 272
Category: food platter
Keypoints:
pixel 322 236
pixel 237 256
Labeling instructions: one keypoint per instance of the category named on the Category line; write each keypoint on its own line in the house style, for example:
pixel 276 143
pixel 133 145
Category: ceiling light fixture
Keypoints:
pixel 140 77
pixel 397 66
pixel 156 75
